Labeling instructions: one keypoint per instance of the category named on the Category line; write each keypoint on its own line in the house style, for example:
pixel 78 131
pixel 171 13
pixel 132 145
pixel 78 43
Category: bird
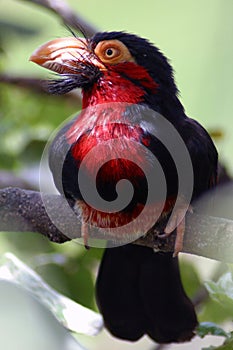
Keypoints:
pixel 126 82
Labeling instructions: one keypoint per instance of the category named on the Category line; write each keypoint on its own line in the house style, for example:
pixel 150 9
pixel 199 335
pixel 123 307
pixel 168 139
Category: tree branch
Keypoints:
pixel 29 83
pixel 37 85
pixel 23 210
pixel 208 236
pixel 68 16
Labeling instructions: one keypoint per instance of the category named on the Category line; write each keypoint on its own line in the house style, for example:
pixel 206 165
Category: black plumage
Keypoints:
pixel 139 291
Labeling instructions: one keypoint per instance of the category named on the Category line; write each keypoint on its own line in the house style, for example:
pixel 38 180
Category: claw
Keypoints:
pixel 180 230
pixel 79 209
pixel 177 222
pixel 85 234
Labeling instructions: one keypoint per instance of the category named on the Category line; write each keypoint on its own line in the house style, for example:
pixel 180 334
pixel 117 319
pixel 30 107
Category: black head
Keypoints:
pixel 81 62
pixel 145 54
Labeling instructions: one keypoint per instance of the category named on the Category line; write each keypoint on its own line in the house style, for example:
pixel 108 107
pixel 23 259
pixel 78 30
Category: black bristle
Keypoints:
pixel 86 75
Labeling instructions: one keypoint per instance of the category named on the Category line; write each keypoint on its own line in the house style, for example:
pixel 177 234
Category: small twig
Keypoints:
pixel 22 210
pixel 37 85
pixel 68 16
pixel 34 84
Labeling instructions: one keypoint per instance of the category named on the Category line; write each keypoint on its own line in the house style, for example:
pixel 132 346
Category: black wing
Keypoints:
pixel 61 164
pixel 203 154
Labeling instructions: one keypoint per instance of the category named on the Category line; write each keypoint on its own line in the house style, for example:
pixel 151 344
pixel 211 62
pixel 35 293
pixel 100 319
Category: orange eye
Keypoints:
pixel 113 52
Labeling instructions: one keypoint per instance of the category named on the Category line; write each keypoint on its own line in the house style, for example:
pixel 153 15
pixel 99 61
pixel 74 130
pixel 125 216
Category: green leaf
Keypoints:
pixel 222 291
pixel 27 324
pixel 71 315
pixel 210 328
pixel 190 277
pixel 214 312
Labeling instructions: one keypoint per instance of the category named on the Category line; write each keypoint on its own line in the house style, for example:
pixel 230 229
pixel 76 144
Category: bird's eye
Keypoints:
pixel 112 52
pixel 109 52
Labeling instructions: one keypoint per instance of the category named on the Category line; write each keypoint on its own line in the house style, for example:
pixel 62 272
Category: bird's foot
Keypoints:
pixel 177 222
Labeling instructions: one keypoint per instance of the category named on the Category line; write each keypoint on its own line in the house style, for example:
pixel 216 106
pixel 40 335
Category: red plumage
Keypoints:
pixel 126 82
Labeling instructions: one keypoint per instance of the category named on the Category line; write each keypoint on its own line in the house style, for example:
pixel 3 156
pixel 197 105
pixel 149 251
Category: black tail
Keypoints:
pixel 140 292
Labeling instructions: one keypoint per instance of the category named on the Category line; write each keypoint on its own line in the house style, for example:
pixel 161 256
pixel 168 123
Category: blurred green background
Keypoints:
pixel 197 38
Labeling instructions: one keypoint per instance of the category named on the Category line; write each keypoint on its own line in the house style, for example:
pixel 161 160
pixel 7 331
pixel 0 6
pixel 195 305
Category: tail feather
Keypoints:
pixel 140 292
pixel 118 295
